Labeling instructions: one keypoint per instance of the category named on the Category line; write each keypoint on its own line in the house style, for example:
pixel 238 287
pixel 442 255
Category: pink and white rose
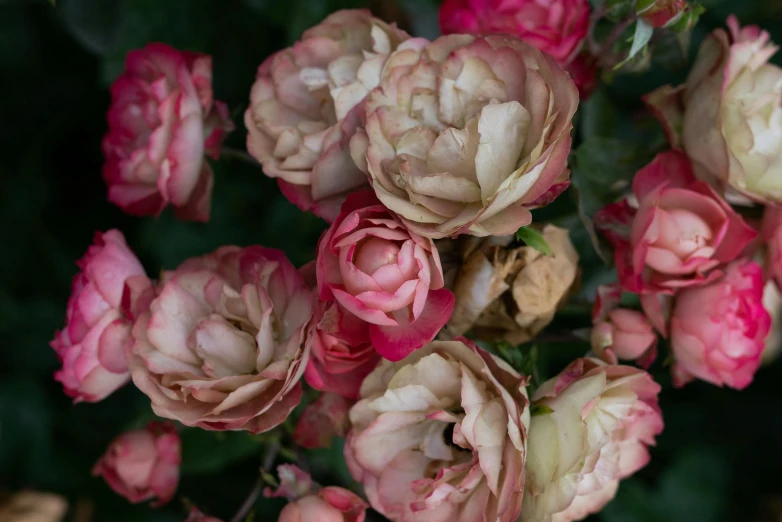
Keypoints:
pixel 594 428
pixel 301 113
pixel 730 112
pixel 465 135
pixel 163 121
pixel 718 331
pixel 624 334
pixel 143 464
pixel 556 27
pixel 108 293
pixel 223 345
pixel 386 275
pixel 441 436
pixel 680 234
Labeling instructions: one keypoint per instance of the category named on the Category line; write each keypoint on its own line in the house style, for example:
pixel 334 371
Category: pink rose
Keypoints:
pixel 108 293
pixel 718 331
pixel 385 274
pixel 143 464
pixel 322 420
pixel 441 436
pixel 197 516
pixel 661 13
pixel 301 115
pixel 162 122
pixel 594 428
pixel 681 233
pixel 223 345
pixel 330 504
pixel 771 234
pixel 624 334
pixel 341 352
pixel 556 27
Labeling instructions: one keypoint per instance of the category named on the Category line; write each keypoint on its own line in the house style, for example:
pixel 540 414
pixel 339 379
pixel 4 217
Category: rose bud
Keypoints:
pixel 222 346
pixel 143 464
pixel 681 233
pixel 661 13
pixel 110 291
pixel 441 436
pixel 322 420
pixel 330 504
pixel 556 27
pixel 718 331
pixel 197 516
pixel 511 292
pixel 465 135
pixel 729 112
pixel 33 506
pixel 341 352
pixel 593 429
pixel 301 116
pixel 626 335
pixel 384 274
pixel 163 121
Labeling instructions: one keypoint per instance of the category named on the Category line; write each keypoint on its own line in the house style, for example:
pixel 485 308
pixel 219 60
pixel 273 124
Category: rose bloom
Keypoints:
pixel 556 27
pixel 595 424
pixel 384 274
pixel 330 504
pixel 197 516
pixel 301 116
pixel 511 292
pixel 441 436
pixel 680 234
pixel 730 112
pixel 222 346
pixel 143 464
pixel 624 334
pixel 465 134
pixel 162 122
pixel 341 352
pixel 110 290
pixel 718 331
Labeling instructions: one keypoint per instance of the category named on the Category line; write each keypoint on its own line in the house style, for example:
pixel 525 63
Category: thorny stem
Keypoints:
pixel 268 462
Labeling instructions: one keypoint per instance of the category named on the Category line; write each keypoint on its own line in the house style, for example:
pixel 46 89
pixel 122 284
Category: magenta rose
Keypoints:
pixel 679 235
pixel 223 344
pixel 109 292
pixel 384 274
pixel 143 464
pixel 718 331
pixel 556 27
pixel 162 123
pixel 341 352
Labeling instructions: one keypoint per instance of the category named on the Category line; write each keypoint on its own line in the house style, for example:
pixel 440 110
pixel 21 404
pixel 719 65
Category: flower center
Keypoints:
pixel 375 253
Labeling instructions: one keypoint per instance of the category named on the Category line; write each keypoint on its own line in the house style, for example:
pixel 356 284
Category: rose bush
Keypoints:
pixel 162 122
pixel 556 27
pixel 110 290
pixel 143 464
pixel 301 116
pixel 730 112
pixel 441 436
pixel 718 331
pixel 681 233
pixel 384 274
pixel 223 345
pixel 465 134
pixel 596 425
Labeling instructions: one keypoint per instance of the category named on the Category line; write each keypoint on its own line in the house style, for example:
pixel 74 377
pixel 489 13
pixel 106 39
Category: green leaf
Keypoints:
pixel 643 33
pixel 533 238
pixel 208 451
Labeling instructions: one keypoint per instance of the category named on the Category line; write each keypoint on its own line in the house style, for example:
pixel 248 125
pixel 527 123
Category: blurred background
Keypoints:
pixel 719 458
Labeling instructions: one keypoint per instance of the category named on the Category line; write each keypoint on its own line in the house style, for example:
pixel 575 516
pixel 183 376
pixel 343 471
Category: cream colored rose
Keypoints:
pixel 510 293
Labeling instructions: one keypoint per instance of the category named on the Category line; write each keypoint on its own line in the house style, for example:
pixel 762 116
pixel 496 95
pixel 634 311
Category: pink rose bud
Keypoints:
pixel 162 123
pixel 322 420
pixel 223 344
pixel 718 331
pixel 143 464
pixel 556 27
pixel 661 13
pixel 680 235
pixel 624 334
pixel 197 516
pixel 384 274
pixel 341 352
pixel 108 293
pixel 330 504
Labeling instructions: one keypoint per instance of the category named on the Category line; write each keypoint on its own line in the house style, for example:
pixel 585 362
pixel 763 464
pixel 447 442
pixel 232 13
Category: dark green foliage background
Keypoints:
pixel 720 458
